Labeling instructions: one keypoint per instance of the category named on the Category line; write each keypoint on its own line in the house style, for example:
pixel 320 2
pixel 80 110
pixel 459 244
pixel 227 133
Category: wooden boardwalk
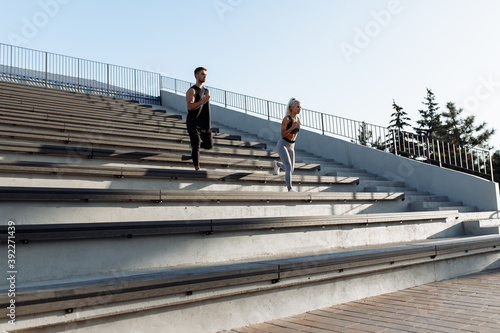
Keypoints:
pixel 465 304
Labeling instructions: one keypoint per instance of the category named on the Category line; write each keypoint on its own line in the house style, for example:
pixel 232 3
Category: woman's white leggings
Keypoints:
pixel 286 152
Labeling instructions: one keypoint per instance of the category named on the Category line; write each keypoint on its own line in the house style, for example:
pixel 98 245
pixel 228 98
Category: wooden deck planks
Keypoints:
pixel 465 304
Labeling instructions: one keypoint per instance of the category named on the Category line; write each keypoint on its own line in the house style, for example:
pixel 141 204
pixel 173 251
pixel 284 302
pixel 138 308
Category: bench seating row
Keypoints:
pixel 32 167
pixel 253 276
pixel 159 196
pixel 68 231
pixel 135 155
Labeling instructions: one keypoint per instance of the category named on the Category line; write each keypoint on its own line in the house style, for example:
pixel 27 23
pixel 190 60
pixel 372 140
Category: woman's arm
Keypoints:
pixel 285 132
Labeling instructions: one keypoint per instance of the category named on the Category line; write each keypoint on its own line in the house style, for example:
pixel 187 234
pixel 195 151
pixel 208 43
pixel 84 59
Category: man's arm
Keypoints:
pixel 190 97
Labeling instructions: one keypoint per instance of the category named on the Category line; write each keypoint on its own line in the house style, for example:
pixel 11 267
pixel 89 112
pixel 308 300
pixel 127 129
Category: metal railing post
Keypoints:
pixel 135 83
pixel 427 148
pixel 460 156
pixel 491 166
pixel 394 141
pixel 46 67
pixel 160 81
pixel 466 159
pixel 11 59
pixel 107 79
pixel 472 159
pixel 78 78
pixel 268 112
pixel 439 154
pixel 322 124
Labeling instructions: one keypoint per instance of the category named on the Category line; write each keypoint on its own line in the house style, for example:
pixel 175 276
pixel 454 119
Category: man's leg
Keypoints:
pixel 194 136
pixel 207 141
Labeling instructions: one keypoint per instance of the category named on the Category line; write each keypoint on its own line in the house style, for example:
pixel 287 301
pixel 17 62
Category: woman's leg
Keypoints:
pixel 283 149
pixel 291 153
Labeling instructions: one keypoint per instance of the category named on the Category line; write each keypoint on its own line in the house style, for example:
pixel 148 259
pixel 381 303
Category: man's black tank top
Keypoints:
pixel 199 117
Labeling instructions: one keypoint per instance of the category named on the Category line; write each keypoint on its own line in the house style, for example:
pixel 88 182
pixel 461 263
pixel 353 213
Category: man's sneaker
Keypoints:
pixel 276 170
pixel 292 190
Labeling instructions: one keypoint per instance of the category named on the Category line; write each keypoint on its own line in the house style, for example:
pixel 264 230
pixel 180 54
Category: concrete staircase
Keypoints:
pixel 114 230
pixel 369 182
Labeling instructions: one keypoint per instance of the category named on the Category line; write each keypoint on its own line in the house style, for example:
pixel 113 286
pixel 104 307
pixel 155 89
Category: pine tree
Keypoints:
pixel 399 118
pixel 476 135
pixel 430 117
pixel 463 131
pixel 495 159
pixel 398 140
pixel 364 134
pixel 450 128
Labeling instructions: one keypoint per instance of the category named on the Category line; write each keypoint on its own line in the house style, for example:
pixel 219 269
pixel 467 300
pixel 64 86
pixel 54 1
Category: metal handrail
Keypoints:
pixel 325 124
pixel 427 149
pixel 22 65
pixel 476 161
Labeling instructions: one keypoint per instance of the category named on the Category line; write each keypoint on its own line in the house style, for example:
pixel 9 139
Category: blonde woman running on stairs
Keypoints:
pixel 285 147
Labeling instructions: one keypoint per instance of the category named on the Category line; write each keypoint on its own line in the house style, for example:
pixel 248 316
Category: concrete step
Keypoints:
pixel 432 204
pixel 384 185
pixel 170 143
pixel 482 227
pixel 298 283
pixel 79 151
pixel 461 209
pixel 110 128
pixel 225 244
pixel 95 115
pixel 55 194
pixel 417 197
pixel 66 231
pixel 34 173
pixel 362 175
pixel 441 205
pixel 157 183
pixel 82 211
pixel 374 183
pixel 393 188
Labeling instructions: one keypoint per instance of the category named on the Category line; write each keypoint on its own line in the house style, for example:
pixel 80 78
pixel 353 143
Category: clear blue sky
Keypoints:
pixel 350 58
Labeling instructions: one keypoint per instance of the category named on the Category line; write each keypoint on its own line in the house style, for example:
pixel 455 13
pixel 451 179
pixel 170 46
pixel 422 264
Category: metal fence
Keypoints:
pixel 355 131
pixel 471 160
pixel 34 67
pixel 429 150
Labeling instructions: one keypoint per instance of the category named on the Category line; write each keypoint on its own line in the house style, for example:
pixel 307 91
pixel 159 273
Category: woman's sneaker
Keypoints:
pixel 276 170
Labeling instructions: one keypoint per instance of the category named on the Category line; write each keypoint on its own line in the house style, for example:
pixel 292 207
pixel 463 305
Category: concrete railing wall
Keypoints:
pixel 468 189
